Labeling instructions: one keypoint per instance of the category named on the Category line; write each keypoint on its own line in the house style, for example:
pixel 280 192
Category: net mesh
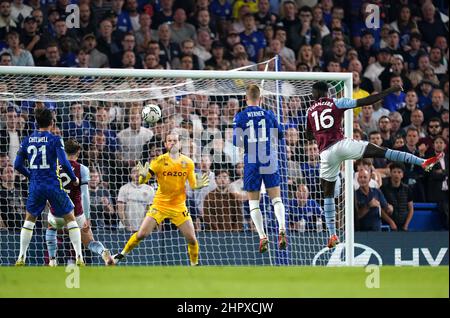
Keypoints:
pixel 99 112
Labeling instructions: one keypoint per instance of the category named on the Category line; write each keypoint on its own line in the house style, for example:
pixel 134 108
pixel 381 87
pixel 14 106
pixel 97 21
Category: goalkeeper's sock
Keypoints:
pixel 280 212
pixel 96 247
pixel 394 155
pixel 25 237
pixel 52 244
pixel 257 218
pixel 330 215
pixel 193 253
pixel 75 238
pixel 131 244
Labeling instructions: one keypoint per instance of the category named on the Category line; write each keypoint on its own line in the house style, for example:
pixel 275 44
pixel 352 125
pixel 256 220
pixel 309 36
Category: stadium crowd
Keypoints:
pixel 409 48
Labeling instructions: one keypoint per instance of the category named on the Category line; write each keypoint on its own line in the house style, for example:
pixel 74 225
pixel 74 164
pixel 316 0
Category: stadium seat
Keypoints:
pixel 426 218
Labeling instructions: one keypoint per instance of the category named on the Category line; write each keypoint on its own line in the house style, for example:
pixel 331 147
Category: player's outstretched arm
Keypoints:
pixel 144 172
pixel 201 181
pixel 369 100
pixel 19 164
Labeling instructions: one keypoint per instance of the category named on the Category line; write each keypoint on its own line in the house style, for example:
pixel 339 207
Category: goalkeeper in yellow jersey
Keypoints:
pixel 171 169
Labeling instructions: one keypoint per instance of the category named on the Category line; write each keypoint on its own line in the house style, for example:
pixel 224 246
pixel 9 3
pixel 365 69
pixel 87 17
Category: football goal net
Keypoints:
pixel 101 109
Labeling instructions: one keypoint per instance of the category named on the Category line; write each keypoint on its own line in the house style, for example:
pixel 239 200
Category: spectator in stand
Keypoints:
pixel 437 180
pixel 396 123
pixel 164 15
pixel 374 70
pixel 180 30
pixel 434 129
pixel 187 49
pixel 106 42
pixel 305 212
pixel 102 123
pixel 77 128
pixel 264 16
pixel 431 25
pixel 413 51
pixel 357 91
pixel 302 31
pixel 102 209
pixel 310 168
pixel 7 23
pixel 399 142
pixel 10 136
pixel 365 83
pixel 19 56
pixel 395 101
pixel 400 196
pixel 252 39
pixel 411 101
pixel 203 22
pixel 128 45
pixel 222 211
pixel 132 202
pixel 375 176
pixel 96 58
pixel 413 175
pixel 366 122
pixel 424 93
pixel 395 68
pixel 404 24
pixel 380 164
pixel 5 59
pixel 367 52
pixel 371 204
pixel 437 61
pixel 319 22
pixel 436 107
pixel 417 121
pixel 12 207
pixel 88 21
pixel 384 127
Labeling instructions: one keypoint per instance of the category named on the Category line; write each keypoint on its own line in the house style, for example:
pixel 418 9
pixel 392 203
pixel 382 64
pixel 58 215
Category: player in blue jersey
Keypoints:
pixel 44 153
pixel 258 131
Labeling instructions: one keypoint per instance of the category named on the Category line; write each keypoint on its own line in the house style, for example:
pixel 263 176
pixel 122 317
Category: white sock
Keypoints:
pixel 257 218
pixel 25 237
pixel 279 210
pixel 75 237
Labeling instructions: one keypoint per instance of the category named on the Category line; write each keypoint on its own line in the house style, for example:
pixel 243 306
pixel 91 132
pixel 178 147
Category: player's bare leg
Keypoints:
pixel 257 218
pixel 330 211
pixel 25 237
pixel 87 238
pixel 147 227
pixel 188 231
pixel 75 236
pixel 280 213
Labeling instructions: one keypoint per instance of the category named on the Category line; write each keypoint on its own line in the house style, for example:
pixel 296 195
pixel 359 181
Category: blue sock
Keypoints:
pixel 96 247
pixel 330 215
pixel 405 157
pixel 52 245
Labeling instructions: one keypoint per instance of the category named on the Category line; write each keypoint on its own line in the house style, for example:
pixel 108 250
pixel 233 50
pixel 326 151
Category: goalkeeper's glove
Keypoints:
pixel 201 181
pixel 144 173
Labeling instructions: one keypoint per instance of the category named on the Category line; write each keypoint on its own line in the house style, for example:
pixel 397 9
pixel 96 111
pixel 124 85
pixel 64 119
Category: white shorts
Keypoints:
pixel 332 157
pixel 59 223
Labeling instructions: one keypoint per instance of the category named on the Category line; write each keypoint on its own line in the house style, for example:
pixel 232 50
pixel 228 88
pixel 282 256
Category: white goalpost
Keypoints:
pixel 98 108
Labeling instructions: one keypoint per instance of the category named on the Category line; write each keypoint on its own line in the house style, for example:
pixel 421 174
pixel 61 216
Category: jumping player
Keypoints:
pixel 324 125
pixel 257 130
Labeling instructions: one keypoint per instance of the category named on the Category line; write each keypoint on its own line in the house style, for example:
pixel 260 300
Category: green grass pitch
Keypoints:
pixel 222 282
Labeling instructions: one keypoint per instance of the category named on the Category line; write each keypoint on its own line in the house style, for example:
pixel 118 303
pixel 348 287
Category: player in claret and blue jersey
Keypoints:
pixel 324 125
pixel 258 131
pixel 44 153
